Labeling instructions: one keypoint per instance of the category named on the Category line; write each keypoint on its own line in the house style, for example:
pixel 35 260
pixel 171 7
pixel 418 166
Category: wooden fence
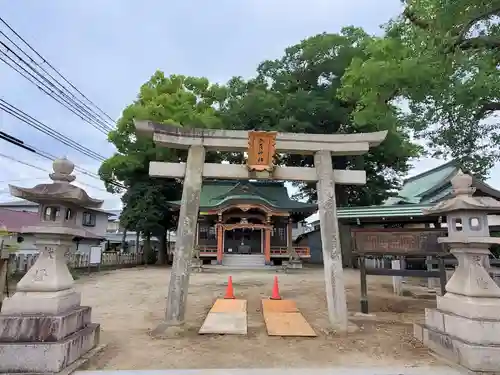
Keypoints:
pixel 21 263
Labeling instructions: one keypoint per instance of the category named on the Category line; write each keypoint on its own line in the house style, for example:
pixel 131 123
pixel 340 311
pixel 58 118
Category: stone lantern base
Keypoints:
pixel 43 327
pixel 470 342
pixel 45 343
pixel 465 326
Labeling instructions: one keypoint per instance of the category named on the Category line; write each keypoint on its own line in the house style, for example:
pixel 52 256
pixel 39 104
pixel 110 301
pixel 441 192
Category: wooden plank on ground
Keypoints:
pixel 283 318
pixel 283 305
pixel 229 305
pixel 288 324
pixel 226 317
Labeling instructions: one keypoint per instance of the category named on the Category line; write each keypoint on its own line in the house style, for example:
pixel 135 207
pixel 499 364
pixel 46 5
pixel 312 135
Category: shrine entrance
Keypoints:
pixel 243 241
pixel 261 148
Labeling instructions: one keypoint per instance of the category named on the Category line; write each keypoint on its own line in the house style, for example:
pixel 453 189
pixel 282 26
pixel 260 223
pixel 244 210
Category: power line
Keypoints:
pixel 44 170
pixel 54 69
pixel 50 85
pixel 67 103
pixel 17 142
pixel 38 125
pixel 49 65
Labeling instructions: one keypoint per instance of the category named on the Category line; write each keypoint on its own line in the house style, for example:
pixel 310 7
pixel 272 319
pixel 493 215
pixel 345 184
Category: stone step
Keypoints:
pixel 243 260
pixel 243 263
pixel 47 357
pixel 260 267
pixel 43 328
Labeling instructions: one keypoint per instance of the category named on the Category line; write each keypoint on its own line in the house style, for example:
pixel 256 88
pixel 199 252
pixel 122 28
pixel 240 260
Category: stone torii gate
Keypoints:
pixel 261 148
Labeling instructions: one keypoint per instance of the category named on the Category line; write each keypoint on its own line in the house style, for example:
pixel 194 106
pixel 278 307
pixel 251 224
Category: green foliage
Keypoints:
pixel 299 93
pixel 296 93
pixel 168 100
pixel 147 205
pixel 439 63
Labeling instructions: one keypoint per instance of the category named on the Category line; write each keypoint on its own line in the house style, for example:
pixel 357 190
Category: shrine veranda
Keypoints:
pixel 261 148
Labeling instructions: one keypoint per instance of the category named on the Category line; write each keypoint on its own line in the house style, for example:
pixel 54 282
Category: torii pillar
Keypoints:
pixel 261 147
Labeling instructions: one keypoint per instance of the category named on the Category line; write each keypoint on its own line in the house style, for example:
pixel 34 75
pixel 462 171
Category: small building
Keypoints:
pixel 248 218
pixel 405 210
pixel 23 213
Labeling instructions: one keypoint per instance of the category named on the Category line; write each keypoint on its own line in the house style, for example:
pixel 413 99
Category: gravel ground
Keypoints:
pixel 128 303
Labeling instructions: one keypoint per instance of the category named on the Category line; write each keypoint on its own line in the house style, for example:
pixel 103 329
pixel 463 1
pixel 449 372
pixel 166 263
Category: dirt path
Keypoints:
pixel 130 302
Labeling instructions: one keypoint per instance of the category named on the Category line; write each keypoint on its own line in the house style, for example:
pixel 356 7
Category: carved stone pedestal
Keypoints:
pixel 43 328
pixel 465 326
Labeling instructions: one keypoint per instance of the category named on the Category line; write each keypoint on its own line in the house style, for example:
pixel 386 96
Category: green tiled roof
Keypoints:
pixel 401 210
pixel 418 193
pixel 425 186
pixel 216 194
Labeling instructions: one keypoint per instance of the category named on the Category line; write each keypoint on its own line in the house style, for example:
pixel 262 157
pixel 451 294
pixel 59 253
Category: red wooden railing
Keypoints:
pixel 303 251
pixel 208 250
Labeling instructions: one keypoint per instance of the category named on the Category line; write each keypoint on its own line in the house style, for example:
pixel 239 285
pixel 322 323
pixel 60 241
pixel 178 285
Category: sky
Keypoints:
pixel 108 48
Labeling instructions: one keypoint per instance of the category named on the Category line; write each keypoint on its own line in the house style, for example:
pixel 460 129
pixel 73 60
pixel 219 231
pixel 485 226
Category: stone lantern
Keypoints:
pixel 43 327
pixel 465 326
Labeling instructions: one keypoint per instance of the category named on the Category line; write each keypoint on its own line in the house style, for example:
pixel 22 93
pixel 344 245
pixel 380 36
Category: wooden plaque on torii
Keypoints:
pixel 261 150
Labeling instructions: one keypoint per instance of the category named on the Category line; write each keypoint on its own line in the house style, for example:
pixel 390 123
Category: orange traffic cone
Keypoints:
pixel 229 290
pixel 276 289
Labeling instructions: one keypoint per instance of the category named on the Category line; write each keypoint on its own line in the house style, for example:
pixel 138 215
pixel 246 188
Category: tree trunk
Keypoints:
pixel 124 240
pixel 162 251
pixel 138 246
pixel 148 251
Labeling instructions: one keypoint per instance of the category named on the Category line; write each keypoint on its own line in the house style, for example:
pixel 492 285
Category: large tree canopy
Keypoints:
pixel 436 69
pixel 175 100
pixel 298 93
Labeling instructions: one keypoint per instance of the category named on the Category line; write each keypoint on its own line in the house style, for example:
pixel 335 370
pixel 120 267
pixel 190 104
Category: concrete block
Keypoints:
pixel 42 302
pixel 477 331
pixel 47 357
pixel 39 328
pixel 470 307
pixel 473 330
pixel 475 357
pixel 434 319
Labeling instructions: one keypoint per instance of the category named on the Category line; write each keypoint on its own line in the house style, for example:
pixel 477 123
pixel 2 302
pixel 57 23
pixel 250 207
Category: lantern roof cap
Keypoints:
pixel 60 190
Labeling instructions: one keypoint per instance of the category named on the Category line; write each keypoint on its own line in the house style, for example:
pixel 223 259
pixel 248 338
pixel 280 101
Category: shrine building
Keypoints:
pixel 251 220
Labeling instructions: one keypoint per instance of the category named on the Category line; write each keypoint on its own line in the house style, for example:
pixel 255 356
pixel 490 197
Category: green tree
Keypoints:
pixel 299 93
pixel 436 69
pixel 173 100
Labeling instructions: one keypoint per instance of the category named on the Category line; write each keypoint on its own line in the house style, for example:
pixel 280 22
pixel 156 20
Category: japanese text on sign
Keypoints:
pixel 261 149
pixel 404 242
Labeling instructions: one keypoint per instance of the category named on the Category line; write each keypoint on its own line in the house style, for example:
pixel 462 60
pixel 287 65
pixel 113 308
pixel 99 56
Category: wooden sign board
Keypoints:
pixel 261 150
pixel 393 241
